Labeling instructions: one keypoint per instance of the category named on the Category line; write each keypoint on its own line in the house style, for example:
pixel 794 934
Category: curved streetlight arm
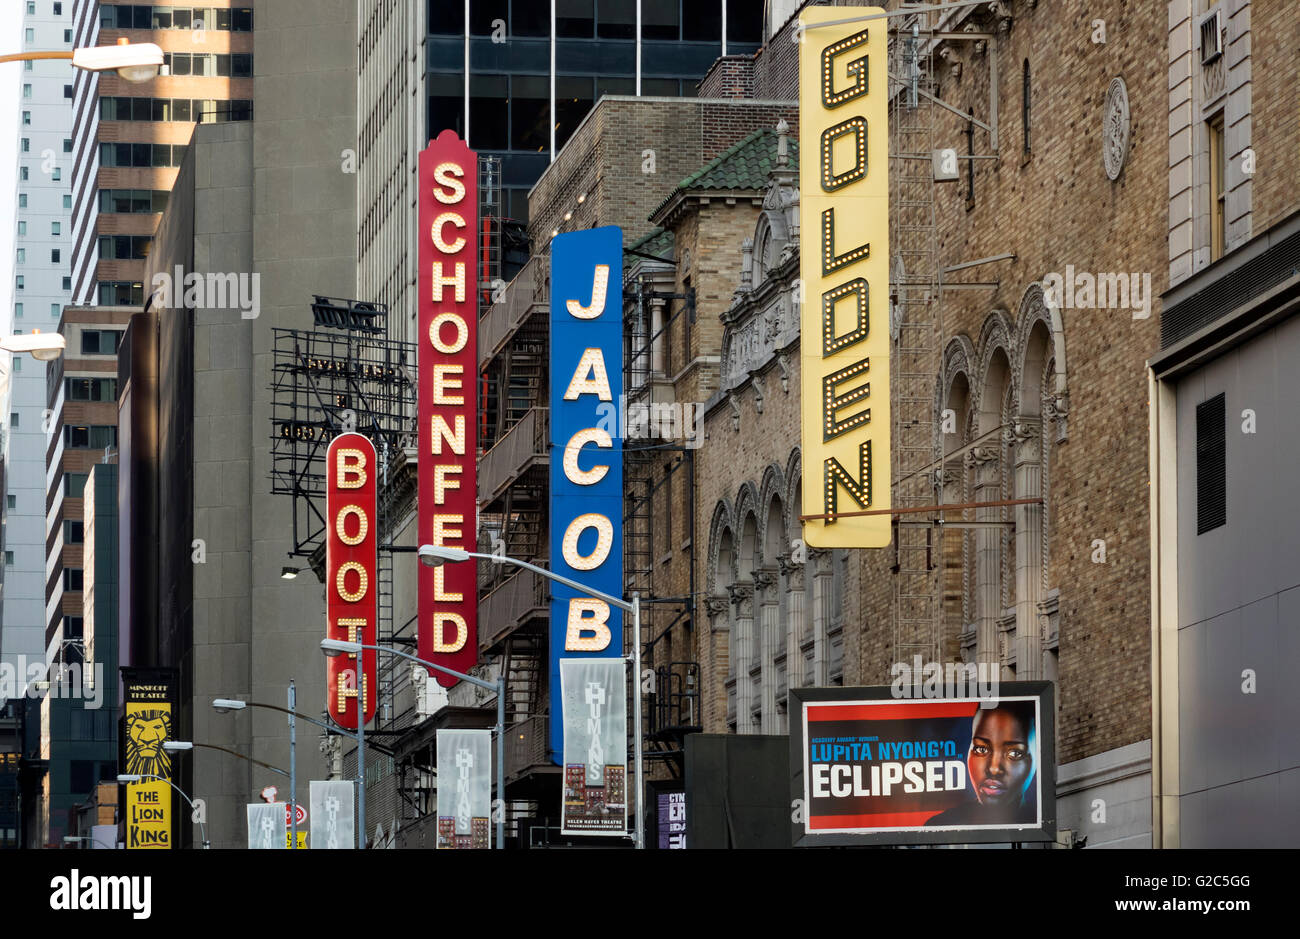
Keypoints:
pixel 213 746
pixel 333 728
pixel 489 685
pixel 551 575
pixel 34 56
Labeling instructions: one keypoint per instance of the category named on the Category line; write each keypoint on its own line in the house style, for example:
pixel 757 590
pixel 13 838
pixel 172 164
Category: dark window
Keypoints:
pixel 58 9
pixel 529 113
pixel 616 19
pixel 162 18
pixel 483 12
pixel 572 102
pixel 182 109
pixel 143 17
pixel 447 106
pixel 82 773
pixel 446 19
pixel 241 19
pixel 67 146
pixel 241 65
pixel 100 341
pixel 659 87
pixel 488 112
pixel 67 91
pixel 1025 104
pixel 574 18
pixel 180 63
pixel 744 22
pixel 1211 465
pixel 660 21
pixel 74 485
pixel 702 21
pixel 181 19
pixel 530 18
pixel 74 533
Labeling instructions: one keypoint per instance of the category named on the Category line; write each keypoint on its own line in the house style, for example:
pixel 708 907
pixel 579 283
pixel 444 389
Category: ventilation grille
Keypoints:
pixel 1211 465
pixel 1253 278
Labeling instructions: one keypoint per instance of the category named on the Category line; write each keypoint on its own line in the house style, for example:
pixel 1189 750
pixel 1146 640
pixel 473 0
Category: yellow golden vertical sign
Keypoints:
pixel 147 724
pixel 844 221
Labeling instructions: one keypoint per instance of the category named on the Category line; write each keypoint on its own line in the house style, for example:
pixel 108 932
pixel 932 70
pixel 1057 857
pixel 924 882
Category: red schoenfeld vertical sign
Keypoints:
pixel 351 573
pixel 448 368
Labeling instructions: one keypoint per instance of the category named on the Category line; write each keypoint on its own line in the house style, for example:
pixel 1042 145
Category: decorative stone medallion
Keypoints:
pixel 1115 128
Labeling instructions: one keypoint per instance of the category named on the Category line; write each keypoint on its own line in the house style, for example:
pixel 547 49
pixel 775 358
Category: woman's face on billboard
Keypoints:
pixel 999 761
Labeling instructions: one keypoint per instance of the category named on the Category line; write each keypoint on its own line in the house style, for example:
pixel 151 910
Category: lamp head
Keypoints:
pixel 433 555
pixel 172 746
pixel 225 705
pixel 288 573
pixel 128 778
pixel 333 647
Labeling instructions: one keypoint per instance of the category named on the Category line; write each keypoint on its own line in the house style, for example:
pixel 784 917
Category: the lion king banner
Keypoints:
pixel 147 716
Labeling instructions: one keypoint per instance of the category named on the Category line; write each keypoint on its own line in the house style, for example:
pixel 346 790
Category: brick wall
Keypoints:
pixel 730 76
pixel 1275 37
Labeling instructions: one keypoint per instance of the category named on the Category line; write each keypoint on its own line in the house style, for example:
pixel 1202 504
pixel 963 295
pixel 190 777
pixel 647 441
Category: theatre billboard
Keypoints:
pixel 844 278
pixel 871 768
pixel 447 401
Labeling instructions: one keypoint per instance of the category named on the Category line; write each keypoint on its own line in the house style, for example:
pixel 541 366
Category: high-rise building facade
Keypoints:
pixel 42 285
pixel 131 137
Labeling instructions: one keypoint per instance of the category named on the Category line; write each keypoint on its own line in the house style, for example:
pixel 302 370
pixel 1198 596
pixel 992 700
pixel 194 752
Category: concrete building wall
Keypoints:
pixel 271 199
pixel 43 228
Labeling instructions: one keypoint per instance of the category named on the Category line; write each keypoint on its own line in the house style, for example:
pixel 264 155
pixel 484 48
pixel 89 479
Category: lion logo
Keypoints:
pixel 146 731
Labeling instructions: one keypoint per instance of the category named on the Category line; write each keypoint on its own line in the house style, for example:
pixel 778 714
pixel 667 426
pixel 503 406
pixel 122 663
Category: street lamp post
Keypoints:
pixel 433 555
pixel 125 778
pixel 333 647
pixel 133 61
pixel 222 705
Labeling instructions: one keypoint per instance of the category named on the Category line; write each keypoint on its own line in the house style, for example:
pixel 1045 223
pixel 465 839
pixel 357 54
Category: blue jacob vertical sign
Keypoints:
pixel 586 461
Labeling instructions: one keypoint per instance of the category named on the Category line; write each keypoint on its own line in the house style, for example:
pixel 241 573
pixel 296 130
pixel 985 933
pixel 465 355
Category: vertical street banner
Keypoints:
pixel 332 814
pixel 869 768
pixel 595 746
pixel 351 575
pixel 147 722
pixel 447 361
pixel 844 277
pixel 586 461
pixel 464 788
pixel 267 830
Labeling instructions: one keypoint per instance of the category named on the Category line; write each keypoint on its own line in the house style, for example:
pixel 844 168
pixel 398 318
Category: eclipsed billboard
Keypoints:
pixel 871 768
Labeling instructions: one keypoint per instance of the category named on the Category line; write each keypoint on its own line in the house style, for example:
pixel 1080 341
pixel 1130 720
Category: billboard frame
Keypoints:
pixel 1045 831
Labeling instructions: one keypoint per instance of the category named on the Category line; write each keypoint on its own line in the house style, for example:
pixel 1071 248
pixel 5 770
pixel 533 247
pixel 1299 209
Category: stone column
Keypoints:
pixel 823 594
pixel 769 621
pixel 657 337
pixel 742 651
pixel 1027 436
pixel 718 611
pixel 794 629
pixel 988 558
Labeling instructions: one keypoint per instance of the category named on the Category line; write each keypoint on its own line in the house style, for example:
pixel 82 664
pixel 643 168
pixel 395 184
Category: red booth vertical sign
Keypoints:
pixel 448 367
pixel 351 569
